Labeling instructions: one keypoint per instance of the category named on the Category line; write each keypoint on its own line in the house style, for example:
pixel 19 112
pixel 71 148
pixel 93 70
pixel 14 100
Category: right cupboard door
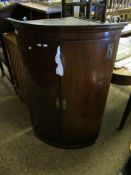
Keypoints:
pixel 88 68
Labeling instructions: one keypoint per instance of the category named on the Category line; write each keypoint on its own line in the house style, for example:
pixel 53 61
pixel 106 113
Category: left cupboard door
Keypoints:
pixel 42 86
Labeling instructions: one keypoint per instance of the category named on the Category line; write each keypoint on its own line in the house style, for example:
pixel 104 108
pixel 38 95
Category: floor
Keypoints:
pixel 22 153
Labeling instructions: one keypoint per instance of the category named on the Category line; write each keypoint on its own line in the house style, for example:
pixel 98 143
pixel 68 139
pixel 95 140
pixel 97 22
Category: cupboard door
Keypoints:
pixel 42 86
pixel 88 68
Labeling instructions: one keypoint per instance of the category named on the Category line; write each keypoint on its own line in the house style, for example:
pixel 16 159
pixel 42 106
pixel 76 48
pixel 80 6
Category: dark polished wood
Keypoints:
pixel 10 55
pixel 126 34
pixel 126 113
pixel 29 10
pixel 16 63
pixel 4 59
pixel 20 11
pixel 1 65
pixel 67 110
pixel 123 77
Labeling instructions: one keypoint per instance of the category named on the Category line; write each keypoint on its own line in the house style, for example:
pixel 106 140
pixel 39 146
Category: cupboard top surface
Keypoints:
pixel 69 22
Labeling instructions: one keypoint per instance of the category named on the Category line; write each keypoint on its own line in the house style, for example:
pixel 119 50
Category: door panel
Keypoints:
pixel 85 84
pixel 42 85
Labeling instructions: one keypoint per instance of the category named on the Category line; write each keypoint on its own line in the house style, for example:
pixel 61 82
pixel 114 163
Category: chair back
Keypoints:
pixel 94 10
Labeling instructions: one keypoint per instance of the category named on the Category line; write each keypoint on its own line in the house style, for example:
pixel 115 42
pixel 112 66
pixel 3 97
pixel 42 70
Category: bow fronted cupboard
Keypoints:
pixel 67 110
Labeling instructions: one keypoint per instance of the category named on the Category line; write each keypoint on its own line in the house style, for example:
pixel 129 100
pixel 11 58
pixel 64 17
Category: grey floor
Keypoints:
pixel 22 153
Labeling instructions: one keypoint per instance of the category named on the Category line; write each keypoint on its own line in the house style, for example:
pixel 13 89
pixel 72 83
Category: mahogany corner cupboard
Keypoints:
pixel 66 110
